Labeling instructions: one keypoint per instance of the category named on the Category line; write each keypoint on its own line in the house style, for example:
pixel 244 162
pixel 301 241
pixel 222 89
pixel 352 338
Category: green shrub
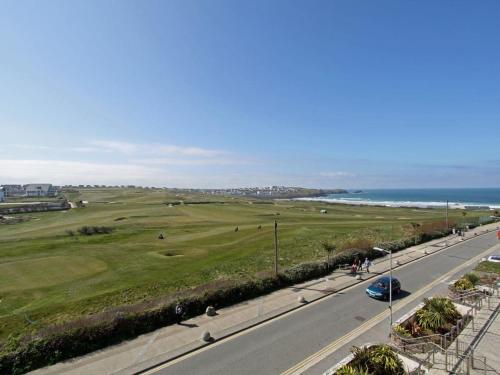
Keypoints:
pixel 350 370
pixel 463 284
pixel 473 278
pixel 402 331
pixel 78 340
pixel 377 359
pixel 89 231
pixel 436 314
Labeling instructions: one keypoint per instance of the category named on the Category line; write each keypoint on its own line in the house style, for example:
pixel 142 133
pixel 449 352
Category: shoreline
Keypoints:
pixel 403 204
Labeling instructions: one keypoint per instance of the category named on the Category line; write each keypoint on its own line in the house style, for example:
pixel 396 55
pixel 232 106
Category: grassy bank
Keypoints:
pixel 48 276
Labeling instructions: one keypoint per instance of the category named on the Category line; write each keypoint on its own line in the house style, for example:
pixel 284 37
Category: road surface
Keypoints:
pixel 279 345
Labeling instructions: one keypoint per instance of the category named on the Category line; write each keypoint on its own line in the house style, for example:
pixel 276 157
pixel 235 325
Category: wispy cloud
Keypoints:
pixel 155 149
pixel 336 174
pixel 114 146
pixel 76 172
pixel 132 149
pixel 192 161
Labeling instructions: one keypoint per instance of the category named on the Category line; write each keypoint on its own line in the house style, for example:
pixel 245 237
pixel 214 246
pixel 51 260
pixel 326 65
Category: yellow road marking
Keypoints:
pixel 333 346
pixel 272 320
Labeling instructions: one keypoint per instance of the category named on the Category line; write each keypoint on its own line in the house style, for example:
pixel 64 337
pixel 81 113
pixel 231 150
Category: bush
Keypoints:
pixel 473 278
pixel 89 231
pixel 437 315
pixel 402 331
pixel 77 338
pixel 377 359
pixel 463 284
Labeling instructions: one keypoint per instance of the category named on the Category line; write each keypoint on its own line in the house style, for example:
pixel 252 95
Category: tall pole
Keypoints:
pixel 390 291
pixel 447 214
pixel 275 247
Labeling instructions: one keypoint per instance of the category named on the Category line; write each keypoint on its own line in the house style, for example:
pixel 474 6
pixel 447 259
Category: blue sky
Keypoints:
pixel 214 93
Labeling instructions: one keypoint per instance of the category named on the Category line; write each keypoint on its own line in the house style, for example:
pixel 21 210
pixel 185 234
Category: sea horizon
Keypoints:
pixel 461 198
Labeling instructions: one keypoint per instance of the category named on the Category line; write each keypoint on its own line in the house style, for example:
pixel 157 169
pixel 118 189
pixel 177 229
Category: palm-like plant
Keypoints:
pixel 463 284
pixel 436 314
pixel 350 370
pixel 361 357
pixel 377 360
pixel 386 361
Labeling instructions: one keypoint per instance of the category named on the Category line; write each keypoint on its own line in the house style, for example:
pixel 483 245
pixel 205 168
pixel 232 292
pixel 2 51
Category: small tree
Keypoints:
pixel 329 249
pixel 416 230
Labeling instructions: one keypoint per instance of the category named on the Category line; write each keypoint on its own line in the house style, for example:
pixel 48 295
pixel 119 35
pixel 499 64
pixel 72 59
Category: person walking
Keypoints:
pixel 179 312
pixel 367 264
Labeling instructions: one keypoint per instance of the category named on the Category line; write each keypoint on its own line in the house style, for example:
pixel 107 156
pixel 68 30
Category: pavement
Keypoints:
pixel 246 335
pixel 483 337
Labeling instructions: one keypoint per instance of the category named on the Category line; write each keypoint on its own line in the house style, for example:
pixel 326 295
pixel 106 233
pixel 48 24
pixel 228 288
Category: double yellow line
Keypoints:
pixel 315 358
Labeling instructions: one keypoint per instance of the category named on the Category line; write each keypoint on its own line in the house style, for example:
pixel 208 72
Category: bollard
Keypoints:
pixel 446 360
pixel 485 365
pixel 468 365
pixel 210 311
pixel 206 336
pixel 301 299
pixel 456 346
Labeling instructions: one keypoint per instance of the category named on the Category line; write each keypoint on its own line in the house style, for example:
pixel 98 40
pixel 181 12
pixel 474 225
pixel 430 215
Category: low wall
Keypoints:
pixel 35 207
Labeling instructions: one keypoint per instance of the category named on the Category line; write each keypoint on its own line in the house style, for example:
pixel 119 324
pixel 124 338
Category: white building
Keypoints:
pixel 13 191
pixel 40 190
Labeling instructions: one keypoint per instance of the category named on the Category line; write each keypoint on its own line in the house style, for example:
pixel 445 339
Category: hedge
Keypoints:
pixel 37 352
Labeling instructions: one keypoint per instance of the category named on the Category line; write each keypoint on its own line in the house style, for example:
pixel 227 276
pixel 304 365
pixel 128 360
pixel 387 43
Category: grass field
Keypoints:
pixel 489 267
pixel 48 276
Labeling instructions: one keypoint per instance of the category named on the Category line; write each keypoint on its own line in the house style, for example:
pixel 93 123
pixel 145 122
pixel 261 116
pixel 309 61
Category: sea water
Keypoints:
pixel 457 198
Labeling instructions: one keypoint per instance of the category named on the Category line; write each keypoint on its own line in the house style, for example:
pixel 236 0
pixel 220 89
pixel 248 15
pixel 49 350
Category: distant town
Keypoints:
pixel 49 190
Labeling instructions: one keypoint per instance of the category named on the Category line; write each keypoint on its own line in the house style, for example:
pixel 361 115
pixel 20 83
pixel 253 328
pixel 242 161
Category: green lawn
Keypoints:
pixel 488 267
pixel 47 276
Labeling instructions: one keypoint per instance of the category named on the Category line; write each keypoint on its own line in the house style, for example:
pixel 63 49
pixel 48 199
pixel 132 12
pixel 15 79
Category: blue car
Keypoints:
pixel 380 288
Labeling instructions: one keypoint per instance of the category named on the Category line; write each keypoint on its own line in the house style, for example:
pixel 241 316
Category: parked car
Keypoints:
pixel 380 288
pixel 494 258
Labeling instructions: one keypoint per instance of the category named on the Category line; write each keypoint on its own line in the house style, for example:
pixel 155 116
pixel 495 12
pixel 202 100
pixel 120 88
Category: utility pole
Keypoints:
pixel 447 214
pixel 275 247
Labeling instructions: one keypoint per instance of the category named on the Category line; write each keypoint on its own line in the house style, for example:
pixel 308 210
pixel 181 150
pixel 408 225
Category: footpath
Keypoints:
pixel 172 342
pixel 475 350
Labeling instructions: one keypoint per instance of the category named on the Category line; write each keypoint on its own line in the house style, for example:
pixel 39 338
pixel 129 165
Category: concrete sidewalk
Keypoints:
pixel 171 342
pixel 483 336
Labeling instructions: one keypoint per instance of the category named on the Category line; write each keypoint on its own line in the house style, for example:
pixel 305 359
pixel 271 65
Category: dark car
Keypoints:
pixel 380 288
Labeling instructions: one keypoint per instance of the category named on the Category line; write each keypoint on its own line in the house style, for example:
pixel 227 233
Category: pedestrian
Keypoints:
pixel 360 265
pixel 179 312
pixel 354 267
pixel 367 265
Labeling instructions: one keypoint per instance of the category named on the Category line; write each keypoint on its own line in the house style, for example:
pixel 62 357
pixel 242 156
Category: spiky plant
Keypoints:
pixel 402 331
pixel 361 356
pixel 350 370
pixel 386 361
pixel 463 284
pixel 436 314
pixel 473 278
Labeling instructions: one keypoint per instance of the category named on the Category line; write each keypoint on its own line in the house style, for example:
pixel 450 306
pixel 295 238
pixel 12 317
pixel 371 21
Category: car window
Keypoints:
pixel 381 284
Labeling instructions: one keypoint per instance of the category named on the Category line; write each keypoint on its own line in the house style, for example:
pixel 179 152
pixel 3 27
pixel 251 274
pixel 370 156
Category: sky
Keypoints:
pixel 215 93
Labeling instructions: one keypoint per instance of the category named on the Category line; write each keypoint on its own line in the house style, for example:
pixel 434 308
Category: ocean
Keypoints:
pixel 422 198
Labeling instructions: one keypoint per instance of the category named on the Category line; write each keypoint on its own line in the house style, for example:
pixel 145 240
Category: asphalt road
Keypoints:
pixel 277 346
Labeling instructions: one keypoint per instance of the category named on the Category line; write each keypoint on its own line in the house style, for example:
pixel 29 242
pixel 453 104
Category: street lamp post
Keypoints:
pixel 390 283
